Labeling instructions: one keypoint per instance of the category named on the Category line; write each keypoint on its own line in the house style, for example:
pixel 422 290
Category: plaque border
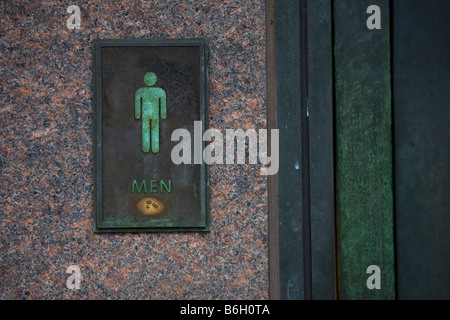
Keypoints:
pixel 157 226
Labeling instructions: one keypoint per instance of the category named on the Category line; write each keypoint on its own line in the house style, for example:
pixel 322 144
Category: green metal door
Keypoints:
pixel 392 87
pixel 362 102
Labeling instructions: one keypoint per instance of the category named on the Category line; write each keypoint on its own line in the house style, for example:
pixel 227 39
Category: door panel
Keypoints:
pixel 364 183
pixel 421 83
pixel 377 103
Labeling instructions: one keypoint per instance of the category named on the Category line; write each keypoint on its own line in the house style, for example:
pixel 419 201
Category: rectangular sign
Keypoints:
pixel 144 91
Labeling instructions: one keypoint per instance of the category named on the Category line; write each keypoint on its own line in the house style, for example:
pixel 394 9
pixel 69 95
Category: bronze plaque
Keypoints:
pixel 144 91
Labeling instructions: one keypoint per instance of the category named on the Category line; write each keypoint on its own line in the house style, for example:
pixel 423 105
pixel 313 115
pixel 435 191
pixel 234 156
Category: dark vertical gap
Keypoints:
pixel 333 62
pixel 305 152
pixel 272 181
pixel 391 24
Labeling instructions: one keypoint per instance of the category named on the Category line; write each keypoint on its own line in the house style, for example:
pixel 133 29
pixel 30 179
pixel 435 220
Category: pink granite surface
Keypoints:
pixel 46 157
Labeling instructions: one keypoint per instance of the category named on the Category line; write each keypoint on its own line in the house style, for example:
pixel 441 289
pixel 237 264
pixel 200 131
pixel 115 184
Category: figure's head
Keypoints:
pixel 150 79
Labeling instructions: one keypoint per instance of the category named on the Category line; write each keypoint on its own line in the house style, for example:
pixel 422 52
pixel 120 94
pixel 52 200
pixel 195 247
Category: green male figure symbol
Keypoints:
pixel 150 105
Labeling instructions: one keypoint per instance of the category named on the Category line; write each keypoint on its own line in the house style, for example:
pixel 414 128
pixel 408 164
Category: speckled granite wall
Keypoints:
pixel 46 193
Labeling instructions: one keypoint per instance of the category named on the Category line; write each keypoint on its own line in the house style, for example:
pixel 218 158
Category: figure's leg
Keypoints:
pixel 145 135
pixel 155 135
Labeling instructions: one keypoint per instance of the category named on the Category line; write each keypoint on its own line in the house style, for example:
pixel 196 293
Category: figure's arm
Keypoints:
pixel 137 105
pixel 162 100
